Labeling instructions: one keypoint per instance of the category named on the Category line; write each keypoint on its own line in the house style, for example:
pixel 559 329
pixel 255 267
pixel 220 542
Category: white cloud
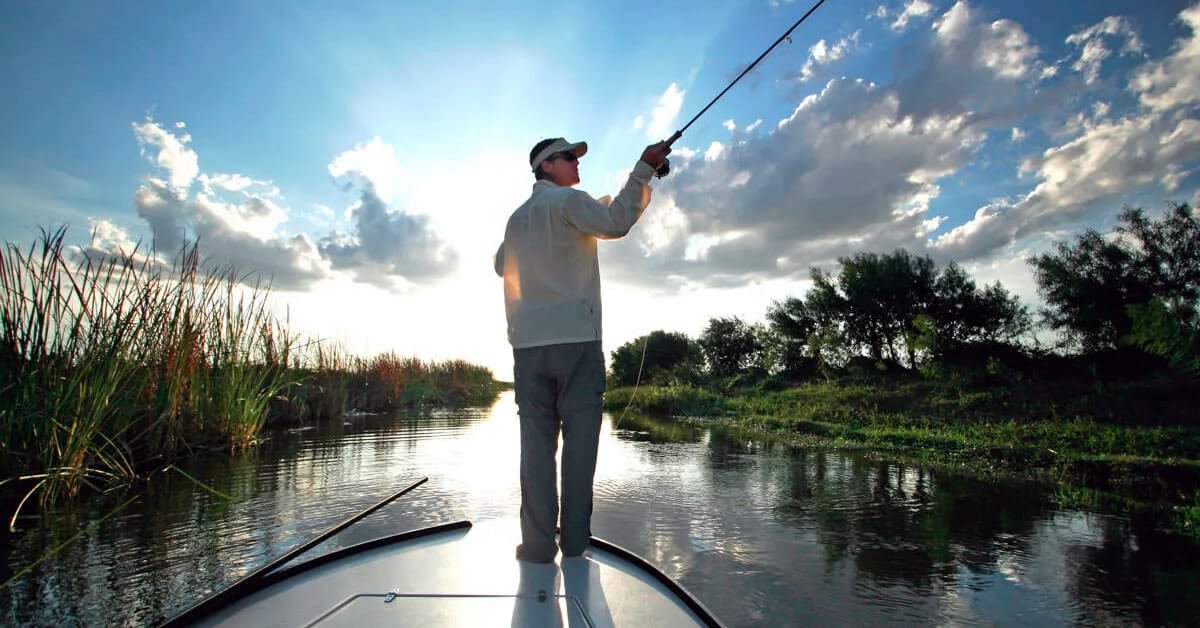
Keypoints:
pixel 665 112
pixel 714 151
pixel 238 183
pixel 729 125
pixel 388 248
pixel 1094 50
pixel 1108 158
pixel 109 243
pixel 638 123
pixel 753 125
pixel 969 64
pixel 324 211
pixel 1174 81
pixel 856 166
pixel 375 163
pixel 237 219
pixel 912 9
pixel 846 169
pixel 821 54
pixel 172 155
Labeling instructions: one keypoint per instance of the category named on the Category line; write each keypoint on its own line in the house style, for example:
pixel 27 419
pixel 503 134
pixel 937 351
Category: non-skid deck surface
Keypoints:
pixel 466 577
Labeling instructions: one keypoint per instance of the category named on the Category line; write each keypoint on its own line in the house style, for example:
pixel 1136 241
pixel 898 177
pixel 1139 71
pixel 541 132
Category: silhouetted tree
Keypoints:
pixel 665 352
pixel 792 324
pixel 729 344
pixel 964 314
pixel 1090 285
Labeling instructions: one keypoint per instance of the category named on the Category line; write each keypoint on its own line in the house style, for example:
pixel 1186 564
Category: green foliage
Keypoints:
pixel 882 295
pixel 668 401
pixel 1090 285
pixel 895 309
pixel 668 356
pixel 1160 331
pixel 792 325
pixel 729 346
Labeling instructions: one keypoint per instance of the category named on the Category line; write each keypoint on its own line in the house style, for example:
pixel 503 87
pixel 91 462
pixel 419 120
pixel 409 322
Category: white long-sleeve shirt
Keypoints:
pixel 548 259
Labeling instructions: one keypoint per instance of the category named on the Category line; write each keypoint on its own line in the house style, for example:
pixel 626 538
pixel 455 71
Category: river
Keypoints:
pixel 763 534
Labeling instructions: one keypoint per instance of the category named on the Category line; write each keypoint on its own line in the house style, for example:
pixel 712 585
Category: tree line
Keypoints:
pixel 1133 291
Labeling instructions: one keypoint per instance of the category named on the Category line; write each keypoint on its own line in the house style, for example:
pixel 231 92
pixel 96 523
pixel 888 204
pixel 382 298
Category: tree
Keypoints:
pixel 664 351
pixel 884 294
pixel 728 345
pixel 792 323
pixel 963 314
pixel 1090 285
pixel 828 343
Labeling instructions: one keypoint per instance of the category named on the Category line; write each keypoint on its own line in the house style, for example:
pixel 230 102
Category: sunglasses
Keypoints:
pixel 566 156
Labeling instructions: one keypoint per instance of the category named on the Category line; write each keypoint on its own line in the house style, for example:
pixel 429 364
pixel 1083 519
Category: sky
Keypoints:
pixel 365 156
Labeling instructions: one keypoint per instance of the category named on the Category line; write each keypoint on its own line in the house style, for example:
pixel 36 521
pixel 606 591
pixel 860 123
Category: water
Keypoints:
pixel 762 534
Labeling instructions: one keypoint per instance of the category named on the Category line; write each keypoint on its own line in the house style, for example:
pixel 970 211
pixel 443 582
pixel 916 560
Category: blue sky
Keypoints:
pixel 366 156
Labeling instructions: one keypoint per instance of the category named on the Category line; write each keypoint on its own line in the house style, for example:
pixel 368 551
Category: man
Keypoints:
pixel 552 302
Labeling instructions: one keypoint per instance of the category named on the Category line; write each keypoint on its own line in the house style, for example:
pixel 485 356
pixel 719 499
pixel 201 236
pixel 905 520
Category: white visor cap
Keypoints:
pixel 559 145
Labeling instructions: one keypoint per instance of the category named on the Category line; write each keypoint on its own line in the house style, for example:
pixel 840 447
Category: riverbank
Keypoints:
pixel 1125 443
pixel 112 367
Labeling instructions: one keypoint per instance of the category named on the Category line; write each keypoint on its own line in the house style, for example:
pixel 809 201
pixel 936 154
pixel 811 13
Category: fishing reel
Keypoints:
pixel 664 169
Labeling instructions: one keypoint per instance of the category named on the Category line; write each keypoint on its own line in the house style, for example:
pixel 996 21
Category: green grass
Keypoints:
pixel 111 367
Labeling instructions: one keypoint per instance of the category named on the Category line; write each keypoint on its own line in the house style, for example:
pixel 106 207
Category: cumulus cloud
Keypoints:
pixel 665 112
pixel 1174 81
pixel 389 249
pixel 855 166
pixel 1105 159
pixel 171 152
pixel 971 64
pixel 229 233
pixel 238 220
pixel 374 162
pixel 912 9
pixel 110 244
pixel 1093 46
pixel 821 53
pixel 846 168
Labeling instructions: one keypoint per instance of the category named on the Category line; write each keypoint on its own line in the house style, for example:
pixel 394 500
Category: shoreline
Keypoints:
pixel 1149 469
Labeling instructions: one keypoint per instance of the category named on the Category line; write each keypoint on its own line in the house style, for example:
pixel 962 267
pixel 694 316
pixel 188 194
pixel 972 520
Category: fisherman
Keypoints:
pixel 552 302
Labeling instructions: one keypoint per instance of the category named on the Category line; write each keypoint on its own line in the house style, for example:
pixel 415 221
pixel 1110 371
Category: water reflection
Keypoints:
pixel 760 533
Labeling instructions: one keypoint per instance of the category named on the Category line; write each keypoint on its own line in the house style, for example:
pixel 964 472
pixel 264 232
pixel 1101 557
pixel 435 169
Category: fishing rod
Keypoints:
pixel 666 168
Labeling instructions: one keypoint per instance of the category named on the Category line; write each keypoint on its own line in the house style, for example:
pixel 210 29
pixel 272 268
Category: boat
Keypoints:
pixel 453 574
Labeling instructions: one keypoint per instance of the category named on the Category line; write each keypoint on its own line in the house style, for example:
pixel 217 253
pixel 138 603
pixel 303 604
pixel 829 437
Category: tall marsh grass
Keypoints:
pixel 106 362
pixel 110 364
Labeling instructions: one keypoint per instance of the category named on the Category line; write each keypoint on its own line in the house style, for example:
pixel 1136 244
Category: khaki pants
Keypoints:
pixel 558 387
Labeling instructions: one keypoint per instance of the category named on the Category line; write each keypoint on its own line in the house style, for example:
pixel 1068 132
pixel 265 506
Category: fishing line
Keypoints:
pixel 665 168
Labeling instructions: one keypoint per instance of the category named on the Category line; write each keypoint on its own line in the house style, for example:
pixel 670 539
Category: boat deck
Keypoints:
pixel 463 576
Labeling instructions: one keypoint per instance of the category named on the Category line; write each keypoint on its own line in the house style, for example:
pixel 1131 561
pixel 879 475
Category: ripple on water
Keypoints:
pixel 764 536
